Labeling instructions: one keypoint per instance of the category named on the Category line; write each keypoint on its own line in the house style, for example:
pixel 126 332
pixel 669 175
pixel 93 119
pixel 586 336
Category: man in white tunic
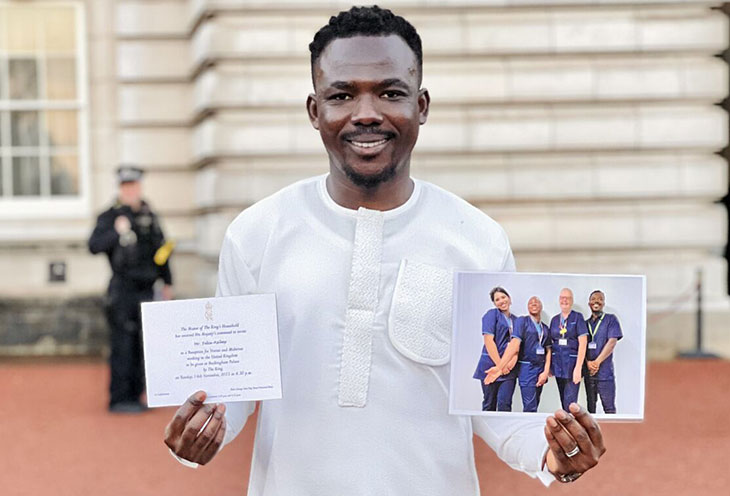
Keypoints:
pixel 360 261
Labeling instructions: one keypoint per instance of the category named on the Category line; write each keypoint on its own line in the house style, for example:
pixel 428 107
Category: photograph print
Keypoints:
pixel 529 343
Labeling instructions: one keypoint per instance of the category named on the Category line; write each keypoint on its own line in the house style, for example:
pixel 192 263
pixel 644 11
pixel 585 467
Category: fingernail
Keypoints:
pixel 561 415
pixel 574 408
pixel 552 422
pixel 222 408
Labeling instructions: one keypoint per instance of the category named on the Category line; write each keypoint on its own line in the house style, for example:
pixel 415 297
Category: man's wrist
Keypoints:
pixel 567 478
pixel 562 478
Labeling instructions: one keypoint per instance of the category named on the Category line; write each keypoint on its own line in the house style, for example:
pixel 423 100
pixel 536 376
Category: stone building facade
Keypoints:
pixel 589 129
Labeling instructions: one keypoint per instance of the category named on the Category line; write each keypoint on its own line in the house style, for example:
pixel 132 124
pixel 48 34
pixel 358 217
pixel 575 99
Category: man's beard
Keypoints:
pixel 370 181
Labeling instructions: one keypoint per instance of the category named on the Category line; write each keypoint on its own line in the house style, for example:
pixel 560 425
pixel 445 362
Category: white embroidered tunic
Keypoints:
pixel 364 310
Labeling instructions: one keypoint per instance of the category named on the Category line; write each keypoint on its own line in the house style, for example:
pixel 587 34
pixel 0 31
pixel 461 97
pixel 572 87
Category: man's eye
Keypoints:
pixel 392 94
pixel 340 97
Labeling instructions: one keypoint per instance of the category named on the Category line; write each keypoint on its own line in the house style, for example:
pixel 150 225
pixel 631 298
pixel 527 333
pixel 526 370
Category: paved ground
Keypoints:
pixel 57 439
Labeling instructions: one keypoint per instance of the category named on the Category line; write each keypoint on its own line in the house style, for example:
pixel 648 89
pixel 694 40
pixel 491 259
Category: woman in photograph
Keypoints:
pixel 497 327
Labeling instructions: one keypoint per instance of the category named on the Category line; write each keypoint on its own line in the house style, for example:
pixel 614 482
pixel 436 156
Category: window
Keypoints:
pixel 42 102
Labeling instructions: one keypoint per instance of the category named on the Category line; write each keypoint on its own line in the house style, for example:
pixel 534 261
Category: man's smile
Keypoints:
pixel 368 148
pixel 368 144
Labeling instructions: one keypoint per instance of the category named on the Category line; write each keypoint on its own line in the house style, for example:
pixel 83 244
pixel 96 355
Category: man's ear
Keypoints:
pixel 312 111
pixel 424 101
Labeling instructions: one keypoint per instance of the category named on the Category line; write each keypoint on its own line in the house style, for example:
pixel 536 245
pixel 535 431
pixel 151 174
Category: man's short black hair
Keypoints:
pixel 366 21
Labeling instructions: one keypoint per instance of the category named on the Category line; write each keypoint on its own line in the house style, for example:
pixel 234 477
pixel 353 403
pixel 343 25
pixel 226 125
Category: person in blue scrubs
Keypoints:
pixel 604 331
pixel 569 335
pixel 531 342
pixel 497 327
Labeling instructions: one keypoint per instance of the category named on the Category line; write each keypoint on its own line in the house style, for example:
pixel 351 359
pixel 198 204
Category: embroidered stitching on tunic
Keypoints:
pixel 420 317
pixel 362 301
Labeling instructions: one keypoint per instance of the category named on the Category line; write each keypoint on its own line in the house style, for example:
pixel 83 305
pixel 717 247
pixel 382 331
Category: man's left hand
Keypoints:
pixel 564 433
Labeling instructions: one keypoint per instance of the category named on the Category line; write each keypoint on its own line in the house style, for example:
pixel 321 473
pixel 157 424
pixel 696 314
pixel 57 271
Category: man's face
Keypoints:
pixel 130 192
pixel 534 306
pixel 367 106
pixel 566 300
pixel 597 301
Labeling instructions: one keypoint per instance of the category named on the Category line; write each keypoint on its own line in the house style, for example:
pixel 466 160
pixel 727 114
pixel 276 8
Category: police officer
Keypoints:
pixel 604 331
pixel 129 234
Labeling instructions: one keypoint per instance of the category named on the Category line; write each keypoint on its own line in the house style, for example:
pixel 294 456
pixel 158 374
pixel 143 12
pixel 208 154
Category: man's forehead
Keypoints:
pixel 369 58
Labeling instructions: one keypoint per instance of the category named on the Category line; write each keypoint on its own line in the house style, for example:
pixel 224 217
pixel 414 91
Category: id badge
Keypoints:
pixel 563 342
pixel 592 346
pixel 540 350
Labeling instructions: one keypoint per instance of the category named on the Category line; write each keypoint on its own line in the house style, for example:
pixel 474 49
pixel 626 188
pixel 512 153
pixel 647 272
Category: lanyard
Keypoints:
pixel 590 327
pixel 563 325
pixel 540 332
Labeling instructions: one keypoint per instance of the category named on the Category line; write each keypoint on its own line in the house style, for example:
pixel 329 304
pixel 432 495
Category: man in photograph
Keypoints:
pixel 360 261
pixel 569 335
pixel 604 331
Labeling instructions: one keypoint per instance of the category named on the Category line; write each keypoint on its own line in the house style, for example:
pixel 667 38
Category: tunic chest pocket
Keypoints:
pixel 419 325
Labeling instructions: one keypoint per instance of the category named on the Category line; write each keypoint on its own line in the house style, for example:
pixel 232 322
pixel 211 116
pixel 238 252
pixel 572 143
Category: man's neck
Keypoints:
pixel 384 196
pixel 565 313
pixel 535 318
pixel 597 315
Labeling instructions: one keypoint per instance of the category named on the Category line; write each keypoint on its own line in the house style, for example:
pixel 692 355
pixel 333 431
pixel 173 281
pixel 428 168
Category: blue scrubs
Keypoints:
pixel 565 354
pixel 600 330
pixel 498 395
pixel 535 344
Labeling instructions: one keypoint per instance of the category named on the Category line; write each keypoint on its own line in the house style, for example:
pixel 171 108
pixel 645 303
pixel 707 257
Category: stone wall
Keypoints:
pixel 588 129
pixel 43 326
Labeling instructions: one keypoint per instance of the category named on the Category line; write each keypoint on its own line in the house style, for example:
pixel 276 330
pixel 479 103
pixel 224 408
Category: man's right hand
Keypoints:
pixel 183 435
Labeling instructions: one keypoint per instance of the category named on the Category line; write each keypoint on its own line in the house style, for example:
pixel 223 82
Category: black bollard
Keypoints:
pixel 698 353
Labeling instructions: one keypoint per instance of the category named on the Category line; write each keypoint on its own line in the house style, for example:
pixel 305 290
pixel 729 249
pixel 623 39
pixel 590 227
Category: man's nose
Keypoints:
pixel 366 111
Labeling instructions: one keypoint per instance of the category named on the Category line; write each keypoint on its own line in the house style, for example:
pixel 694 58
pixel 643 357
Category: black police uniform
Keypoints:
pixel 132 258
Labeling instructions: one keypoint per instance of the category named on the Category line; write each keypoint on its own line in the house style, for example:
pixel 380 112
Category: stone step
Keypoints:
pixel 561 31
pixel 635 126
pixel 569 229
pixel 495 179
pixel 526 81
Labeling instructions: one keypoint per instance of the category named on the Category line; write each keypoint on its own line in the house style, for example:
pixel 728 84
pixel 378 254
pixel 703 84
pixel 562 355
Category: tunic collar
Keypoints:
pixel 389 214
